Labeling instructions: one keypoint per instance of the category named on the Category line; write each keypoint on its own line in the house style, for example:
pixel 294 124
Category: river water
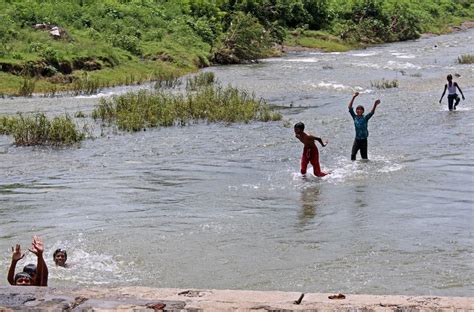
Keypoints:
pixel 224 206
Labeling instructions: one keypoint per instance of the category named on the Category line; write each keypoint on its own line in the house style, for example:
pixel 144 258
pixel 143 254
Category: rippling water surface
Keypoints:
pixel 223 206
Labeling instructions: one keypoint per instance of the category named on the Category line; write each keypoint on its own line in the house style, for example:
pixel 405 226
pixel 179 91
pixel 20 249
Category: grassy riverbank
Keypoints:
pixel 82 46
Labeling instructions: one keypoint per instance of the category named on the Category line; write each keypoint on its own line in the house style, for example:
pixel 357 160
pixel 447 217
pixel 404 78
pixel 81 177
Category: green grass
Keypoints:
pixel 38 129
pixel 145 109
pixel 466 59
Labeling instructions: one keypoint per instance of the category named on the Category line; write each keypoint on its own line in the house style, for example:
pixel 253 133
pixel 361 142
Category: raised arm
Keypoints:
pixel 16 256
pixel 352 100
pixel 37 247
pixel 444 91
pixel 460 91
pixel 376 103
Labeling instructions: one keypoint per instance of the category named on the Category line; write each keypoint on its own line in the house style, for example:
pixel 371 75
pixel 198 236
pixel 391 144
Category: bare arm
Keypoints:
pixel 16 256
pixel 460 91
pixel 352 100
pixel 444 91
pixel 376 103
pixel 37 247
pixel 319 140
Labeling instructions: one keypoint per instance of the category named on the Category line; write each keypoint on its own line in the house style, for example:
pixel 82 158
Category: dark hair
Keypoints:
pixel 30 269
pixel 22 275
pixel 299 125
pixel 59 250
pixel 360 106
pixel 449 77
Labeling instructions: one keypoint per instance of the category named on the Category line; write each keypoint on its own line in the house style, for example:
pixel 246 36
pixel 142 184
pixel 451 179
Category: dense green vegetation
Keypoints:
pixel 202 100
pixel 109 42
pixel 37 129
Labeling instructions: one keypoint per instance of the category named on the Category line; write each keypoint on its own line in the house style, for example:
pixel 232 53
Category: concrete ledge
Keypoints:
pixel 17 298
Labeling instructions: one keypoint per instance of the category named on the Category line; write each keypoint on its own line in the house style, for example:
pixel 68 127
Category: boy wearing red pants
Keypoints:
pixel 310 151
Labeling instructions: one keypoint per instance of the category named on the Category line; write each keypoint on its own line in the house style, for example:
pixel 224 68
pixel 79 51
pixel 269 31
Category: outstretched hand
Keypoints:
pixel 377 102
pixel 325 143
pixel 16 253
pixel 356 94
pixel 37 246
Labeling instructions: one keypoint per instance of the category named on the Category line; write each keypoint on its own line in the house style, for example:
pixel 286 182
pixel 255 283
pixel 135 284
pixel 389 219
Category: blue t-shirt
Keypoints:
pixel 360 124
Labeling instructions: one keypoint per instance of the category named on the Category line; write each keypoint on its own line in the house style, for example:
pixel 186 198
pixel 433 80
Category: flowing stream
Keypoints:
pixel 224 206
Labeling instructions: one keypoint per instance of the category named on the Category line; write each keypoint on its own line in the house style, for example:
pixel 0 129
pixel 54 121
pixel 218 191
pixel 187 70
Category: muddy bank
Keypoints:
pixel 169 299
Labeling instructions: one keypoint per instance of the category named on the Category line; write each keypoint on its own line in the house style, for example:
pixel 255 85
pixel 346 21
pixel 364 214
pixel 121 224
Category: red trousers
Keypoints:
pixel 311 156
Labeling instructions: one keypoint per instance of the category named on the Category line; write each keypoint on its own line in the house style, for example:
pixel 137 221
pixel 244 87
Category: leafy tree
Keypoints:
pixel 245 40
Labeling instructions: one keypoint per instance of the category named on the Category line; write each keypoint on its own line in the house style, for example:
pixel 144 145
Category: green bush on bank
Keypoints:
pixel 37 129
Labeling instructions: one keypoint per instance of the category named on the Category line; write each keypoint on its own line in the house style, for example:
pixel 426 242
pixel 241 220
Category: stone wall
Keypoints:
pixel 168 299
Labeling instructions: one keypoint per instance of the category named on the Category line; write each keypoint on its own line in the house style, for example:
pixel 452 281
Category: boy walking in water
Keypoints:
pixel 452 95
pixel 310 151
pixel 360 123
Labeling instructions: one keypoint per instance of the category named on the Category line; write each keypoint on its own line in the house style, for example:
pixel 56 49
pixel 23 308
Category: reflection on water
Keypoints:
pixel 309 203
pixel 172 207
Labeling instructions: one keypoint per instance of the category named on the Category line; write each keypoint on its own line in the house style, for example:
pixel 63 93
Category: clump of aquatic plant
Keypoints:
pixel 200 80
pixel 384 84
pixel 37 129
pixel 27 87
pixel 466 59
pixel 7 124
pixel 167 80
pixel 86 85
pixel 145 109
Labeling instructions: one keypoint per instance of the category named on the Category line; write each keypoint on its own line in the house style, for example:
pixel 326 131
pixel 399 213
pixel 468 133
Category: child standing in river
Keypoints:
pixel 452 95
pixel 310 151
pixel 360 124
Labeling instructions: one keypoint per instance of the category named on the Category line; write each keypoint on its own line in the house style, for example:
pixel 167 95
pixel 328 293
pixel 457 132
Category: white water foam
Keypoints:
pixel 403 55
pixel 393 65
pixel 88 268
pixel 348 169
pixel 365 54
pixel 340 87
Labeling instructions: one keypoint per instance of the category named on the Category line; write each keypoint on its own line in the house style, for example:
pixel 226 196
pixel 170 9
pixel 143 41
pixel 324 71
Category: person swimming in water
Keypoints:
pixel 60 257
pixel 452 95
pixel 310 151
pixel 23 279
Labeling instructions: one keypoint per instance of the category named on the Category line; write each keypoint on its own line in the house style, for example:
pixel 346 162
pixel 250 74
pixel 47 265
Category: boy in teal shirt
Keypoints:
pixel 360 123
